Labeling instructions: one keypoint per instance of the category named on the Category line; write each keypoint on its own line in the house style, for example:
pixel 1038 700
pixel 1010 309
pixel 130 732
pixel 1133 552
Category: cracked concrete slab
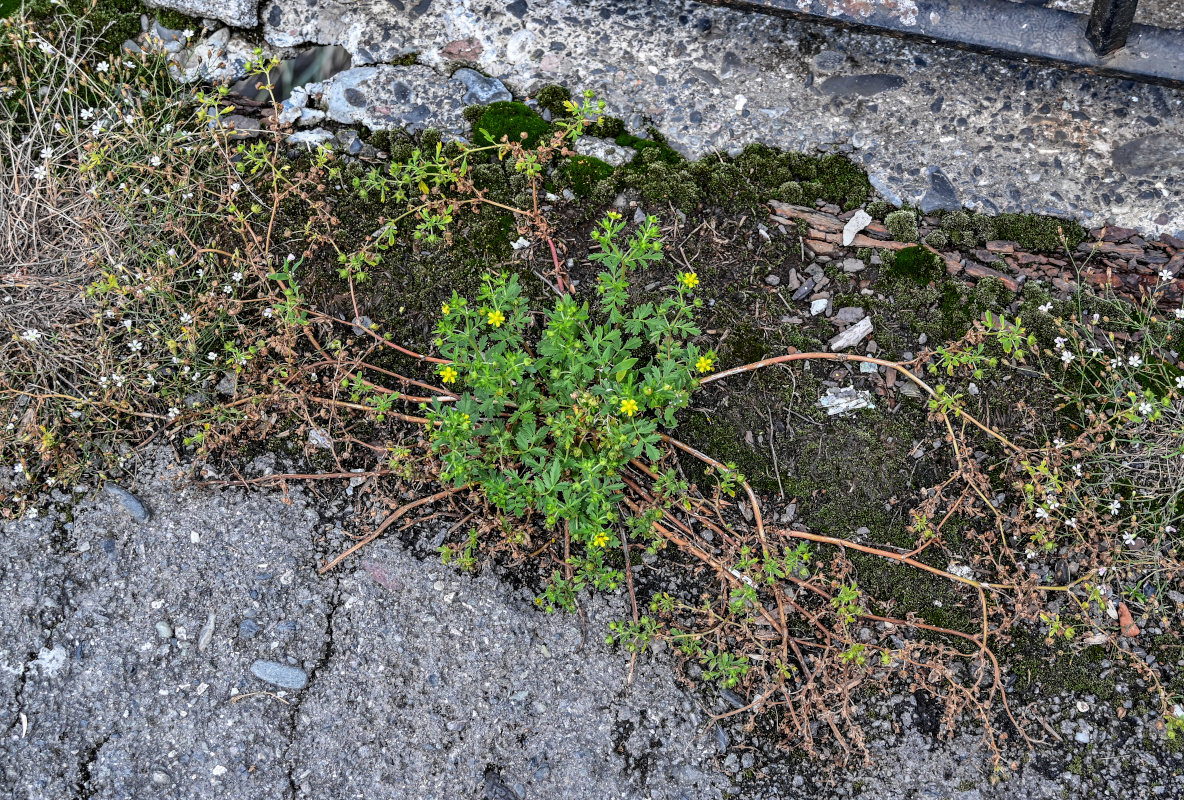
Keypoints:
pixel 1009 136
pixel 420 681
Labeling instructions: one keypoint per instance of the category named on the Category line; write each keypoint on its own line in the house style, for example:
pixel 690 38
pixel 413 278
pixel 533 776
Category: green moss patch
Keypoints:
pixel 584 172
pixel 513 120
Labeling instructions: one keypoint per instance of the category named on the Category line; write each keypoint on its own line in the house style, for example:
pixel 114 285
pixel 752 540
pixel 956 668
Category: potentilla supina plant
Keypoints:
pixel 547 423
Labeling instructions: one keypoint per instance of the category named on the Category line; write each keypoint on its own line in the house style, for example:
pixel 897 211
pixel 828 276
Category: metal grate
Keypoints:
pixel 1104 42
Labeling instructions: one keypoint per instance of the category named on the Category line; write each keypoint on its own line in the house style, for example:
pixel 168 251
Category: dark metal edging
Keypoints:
pixel 1007 29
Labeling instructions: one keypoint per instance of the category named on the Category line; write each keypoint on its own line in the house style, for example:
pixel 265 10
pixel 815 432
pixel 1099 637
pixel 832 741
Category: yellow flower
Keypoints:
pixel 446 308
pixel 628 406
pixel 704 364
pixel 601 539
pixel 496 318
pixel 688 279
pixel 448 374
pixel 464 420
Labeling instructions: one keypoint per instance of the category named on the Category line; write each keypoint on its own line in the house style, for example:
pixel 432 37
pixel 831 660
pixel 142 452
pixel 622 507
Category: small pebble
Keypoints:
pixel 279 674
pixel 129 501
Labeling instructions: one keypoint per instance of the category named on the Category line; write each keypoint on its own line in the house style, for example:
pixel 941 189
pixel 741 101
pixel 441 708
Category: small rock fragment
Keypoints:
pixel 207 633
pixel 854 225
pixel 482 90
pixel 852 265
pixel 844 400
pixel 852 336
pixel 818 306
pixel 129 501
pixel 279 674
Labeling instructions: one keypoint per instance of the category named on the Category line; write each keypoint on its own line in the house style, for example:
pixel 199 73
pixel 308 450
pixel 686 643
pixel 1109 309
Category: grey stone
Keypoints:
pixel 861 85
pixel 247 629
pixel 383 97
pixel 852 265
pixel 609 152
pixel 481 89
pixel 1158 154
pixel 129 501
pixel 164 630
pixel 818 306
pixel 804 289
pixel 310 139
pixel 772 280
pixel 281 675
pixel 207 633
pixel 849 314
pixel 350 143
pixel 941 195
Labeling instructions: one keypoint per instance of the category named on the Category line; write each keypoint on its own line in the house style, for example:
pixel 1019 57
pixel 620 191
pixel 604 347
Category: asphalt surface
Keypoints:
pixel 198 654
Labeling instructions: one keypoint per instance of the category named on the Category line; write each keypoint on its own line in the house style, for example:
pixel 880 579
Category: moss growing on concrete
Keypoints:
pixel 902 225
pixel 513 120
pixel 585 172
pixel 551 98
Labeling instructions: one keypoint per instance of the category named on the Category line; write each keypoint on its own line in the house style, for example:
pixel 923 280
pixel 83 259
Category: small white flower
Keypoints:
pixel 174 412
pixel 1095 351
pixel 109 313
pixel 1179 313
pixel 150 381
pixel 129 64
pixel 18 469
pixel 118 379
pixel 1115 507
pixel 186 318
pixel 86 113
pixel 1128 538
pixel 1077 470
pixel 237 277
pixel 1060 342
pixel 1180 381
pixel 187 33
pixel 227 289
pixel 1046 307
pixel 154 161
pixel 1101 571
pixel 1071 522
pixel 267 312
pixel 1169 529
pixel 1041 513
pixel 31 335
pixel 40 172
pixel 234 187
pixel 1166 275
pixel 1144 409
pixel 1058 443
pixel 1135 360
pixel 1053 505
pixel 102 66
pixel 293 258
pixel 1066 356
pixel 135 345
pixel 1097 318
pixel 211 356
pixel 127 324
pixel 47 153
